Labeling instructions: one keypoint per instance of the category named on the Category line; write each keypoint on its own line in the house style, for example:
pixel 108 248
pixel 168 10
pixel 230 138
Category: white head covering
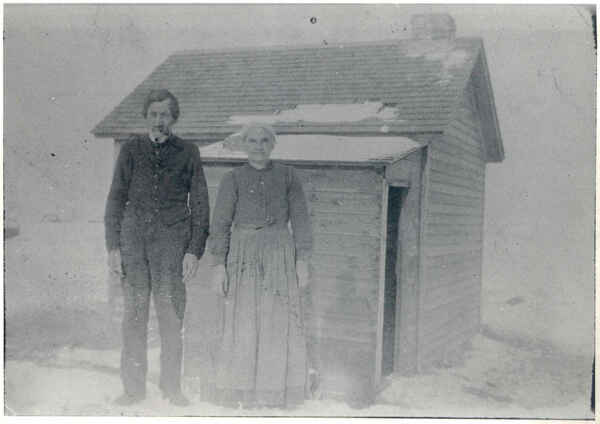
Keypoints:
pixel 235 141
pixel 259 126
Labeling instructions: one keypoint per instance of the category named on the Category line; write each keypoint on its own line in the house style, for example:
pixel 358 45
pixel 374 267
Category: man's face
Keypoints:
pixel 159 119
pixel 258 145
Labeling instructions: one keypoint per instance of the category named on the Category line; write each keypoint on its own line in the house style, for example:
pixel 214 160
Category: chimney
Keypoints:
pixel 433 26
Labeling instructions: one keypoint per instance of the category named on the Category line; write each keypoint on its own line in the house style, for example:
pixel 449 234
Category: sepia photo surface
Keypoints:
pixel 436 220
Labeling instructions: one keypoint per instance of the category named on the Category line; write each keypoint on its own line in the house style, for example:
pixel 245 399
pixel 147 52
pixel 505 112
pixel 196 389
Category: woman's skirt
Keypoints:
pixel 262 360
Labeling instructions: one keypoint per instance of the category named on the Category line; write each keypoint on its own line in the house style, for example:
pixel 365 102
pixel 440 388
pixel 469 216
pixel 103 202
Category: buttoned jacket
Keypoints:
pixel 158 183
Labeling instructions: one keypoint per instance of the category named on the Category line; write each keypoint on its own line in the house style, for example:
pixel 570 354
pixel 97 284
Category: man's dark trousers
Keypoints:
pixel 152 255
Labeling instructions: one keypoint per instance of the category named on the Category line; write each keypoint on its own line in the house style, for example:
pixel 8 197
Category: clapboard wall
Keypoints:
pixel 452 236
pixel 345 205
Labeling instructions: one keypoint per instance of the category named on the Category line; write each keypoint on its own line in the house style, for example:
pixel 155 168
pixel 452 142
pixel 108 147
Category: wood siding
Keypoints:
pixel 452 237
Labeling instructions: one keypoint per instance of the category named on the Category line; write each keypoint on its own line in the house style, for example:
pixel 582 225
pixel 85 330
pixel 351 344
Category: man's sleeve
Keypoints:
pixel 117 197
pixel 199 207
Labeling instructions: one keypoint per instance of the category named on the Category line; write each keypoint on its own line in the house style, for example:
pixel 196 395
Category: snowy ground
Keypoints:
pixel 62 350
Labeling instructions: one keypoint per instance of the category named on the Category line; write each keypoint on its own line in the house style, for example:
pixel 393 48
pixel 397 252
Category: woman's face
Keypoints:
pixel 259 145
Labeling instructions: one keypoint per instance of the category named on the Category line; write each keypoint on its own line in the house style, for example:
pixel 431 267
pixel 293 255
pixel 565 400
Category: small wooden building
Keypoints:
pixel 391 140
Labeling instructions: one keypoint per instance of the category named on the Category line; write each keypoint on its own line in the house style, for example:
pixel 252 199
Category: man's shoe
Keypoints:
pixel 128 400
pixel 177 399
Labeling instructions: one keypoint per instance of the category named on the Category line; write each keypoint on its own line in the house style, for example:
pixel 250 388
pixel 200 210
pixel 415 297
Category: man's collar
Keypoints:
pixel 171 141
pixel 160 139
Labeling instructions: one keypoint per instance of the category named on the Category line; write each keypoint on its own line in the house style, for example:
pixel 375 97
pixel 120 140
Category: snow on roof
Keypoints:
pixel 330 113
pixel 323 149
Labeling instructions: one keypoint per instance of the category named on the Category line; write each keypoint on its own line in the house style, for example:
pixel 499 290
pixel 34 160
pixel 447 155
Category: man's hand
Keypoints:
pixel 302 273
pixel 114 263
pixel 219 280
pixel 190 265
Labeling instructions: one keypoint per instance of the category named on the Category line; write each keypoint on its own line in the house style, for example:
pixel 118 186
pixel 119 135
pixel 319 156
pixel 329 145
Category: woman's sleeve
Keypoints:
pixel 299 218
pixel 223 213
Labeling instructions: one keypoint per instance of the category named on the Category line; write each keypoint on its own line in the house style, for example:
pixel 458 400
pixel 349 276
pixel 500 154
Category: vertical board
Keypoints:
pixel 381 283
pixel 405 351
pixel 452 236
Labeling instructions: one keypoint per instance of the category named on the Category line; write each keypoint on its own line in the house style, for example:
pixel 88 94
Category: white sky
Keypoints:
pixel 469 18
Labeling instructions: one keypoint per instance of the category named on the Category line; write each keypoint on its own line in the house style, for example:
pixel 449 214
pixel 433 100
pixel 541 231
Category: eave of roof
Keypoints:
pixel 320 149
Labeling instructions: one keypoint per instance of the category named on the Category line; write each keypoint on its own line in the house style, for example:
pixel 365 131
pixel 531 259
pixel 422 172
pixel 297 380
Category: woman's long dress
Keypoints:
pixel 262 359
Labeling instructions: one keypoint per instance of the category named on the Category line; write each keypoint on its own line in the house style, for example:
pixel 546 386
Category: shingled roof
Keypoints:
pixel 394 87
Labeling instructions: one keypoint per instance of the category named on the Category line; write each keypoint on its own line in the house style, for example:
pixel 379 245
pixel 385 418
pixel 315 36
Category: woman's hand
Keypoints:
pixel 302 273
pixel 219 280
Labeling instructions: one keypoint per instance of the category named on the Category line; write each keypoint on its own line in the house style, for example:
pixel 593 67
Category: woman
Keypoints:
pixel 261 268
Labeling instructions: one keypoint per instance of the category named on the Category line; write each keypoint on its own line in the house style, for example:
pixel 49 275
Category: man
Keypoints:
pixel 156 224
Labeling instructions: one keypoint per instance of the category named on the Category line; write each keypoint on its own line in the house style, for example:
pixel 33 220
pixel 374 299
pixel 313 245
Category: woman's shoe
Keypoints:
pixel 127 400
pixel 314 383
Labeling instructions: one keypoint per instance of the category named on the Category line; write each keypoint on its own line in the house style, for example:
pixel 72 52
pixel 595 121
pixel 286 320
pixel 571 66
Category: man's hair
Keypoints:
pixel 267 129
pixel 160 95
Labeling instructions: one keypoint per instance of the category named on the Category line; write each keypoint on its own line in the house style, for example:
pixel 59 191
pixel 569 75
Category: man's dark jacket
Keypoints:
pixel 155 180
